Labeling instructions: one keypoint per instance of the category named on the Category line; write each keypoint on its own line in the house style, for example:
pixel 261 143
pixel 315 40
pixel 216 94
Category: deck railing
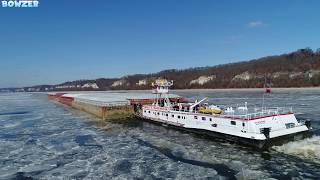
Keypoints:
pixel 259 112
pixel 246 114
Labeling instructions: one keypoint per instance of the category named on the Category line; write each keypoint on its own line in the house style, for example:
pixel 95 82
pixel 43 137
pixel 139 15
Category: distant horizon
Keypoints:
pixel 62 41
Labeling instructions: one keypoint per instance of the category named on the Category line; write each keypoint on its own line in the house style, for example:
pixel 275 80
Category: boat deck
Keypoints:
pixel 250 113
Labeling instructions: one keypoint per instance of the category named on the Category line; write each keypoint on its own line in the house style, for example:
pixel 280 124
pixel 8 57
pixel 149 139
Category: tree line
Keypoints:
pixel 300 68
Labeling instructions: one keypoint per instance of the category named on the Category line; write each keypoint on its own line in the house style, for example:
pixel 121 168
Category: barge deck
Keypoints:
pixel 107 105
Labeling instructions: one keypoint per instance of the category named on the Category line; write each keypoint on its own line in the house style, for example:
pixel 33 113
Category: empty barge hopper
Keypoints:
pixel 107 105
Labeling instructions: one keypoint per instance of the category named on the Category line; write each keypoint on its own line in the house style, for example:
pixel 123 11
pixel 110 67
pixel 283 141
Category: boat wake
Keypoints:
pixel 307 148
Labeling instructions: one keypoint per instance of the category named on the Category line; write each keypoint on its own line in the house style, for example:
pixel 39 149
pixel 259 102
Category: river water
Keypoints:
pixel 40 139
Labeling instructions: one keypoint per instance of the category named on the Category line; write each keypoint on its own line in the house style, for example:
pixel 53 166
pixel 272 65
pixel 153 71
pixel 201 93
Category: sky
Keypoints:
pixel 80 39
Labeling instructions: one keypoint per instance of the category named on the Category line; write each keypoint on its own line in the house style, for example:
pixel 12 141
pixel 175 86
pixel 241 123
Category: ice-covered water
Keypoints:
pixel 40 139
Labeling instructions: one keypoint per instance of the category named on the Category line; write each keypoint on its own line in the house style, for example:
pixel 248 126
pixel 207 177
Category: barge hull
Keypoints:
pixel 107 106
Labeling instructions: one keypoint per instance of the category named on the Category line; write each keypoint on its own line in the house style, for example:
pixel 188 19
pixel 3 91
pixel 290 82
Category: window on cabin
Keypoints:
pixel 172 115
pixel 214 125
pixel 210 119
pixel 289 125
pixel 195 117
pixel 233 123
pixel 178 117
pixel 158 113
pixel 243 124
pixel 145 111
pixel 149 112
pixel 204 118
pixel 166 114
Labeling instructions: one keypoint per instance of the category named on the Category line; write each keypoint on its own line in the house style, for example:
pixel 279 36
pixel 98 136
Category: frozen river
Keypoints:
pixel 40 139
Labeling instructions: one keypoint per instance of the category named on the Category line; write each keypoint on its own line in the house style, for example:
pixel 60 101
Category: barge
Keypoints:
pixel 108 105
pixel 257 127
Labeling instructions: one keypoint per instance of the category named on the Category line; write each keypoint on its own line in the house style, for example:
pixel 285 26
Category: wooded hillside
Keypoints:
pixel 297 69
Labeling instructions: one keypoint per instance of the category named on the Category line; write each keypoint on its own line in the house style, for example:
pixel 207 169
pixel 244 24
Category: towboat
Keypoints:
pixel 257 127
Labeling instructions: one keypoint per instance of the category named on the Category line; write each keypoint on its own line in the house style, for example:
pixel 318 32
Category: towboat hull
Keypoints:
pixel 254 143
pixel 257 127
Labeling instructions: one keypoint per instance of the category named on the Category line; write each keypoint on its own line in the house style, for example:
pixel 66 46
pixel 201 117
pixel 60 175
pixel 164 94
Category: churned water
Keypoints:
pixel 40 139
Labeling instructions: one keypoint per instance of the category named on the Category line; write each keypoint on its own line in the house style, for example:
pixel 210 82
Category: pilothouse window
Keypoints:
pixel 233 123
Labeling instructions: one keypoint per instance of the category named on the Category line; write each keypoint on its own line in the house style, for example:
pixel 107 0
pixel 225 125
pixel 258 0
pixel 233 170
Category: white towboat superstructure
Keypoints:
pixel 257 127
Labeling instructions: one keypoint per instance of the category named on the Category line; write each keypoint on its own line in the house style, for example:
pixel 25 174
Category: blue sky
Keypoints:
pixel 69 40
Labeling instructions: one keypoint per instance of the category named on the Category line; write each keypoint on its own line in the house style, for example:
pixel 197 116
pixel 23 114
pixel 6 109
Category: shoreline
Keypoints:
pixel 183 90
pixel 218 89
pixel 250 89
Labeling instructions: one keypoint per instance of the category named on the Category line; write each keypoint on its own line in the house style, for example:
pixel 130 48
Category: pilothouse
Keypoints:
pixel 259 127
